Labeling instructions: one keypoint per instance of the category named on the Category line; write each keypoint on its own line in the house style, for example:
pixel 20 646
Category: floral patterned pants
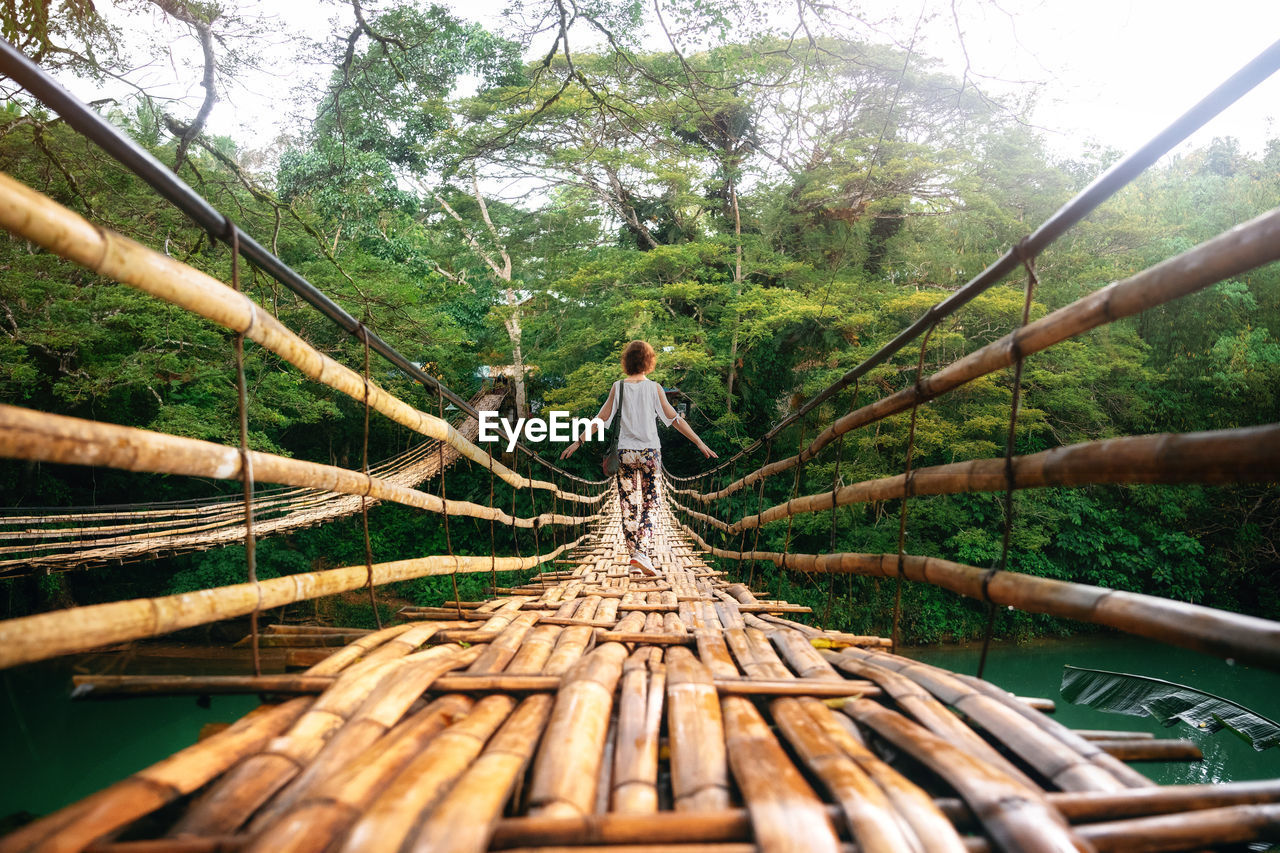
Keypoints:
pixel 638 493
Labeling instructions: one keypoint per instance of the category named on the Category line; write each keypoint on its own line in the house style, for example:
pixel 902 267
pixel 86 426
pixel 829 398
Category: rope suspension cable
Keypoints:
pixel 1003 561
pixel 906 495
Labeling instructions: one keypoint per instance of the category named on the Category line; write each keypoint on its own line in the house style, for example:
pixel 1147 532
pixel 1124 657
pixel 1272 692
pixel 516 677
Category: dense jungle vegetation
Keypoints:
pixel 766 212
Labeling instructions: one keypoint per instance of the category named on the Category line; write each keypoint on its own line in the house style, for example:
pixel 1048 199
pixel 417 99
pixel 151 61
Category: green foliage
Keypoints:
pixel 766 214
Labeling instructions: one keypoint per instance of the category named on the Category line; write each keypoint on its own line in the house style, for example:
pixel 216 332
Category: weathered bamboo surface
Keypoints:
pixel 590 709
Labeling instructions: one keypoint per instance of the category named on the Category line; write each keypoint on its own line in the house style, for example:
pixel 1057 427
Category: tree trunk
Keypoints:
pixel 512 324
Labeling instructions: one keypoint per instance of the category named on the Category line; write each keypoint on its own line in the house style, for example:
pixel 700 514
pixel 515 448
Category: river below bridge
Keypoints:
pixel 57 751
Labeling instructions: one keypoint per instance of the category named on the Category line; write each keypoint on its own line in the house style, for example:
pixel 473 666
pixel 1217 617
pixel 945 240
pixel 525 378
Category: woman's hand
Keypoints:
pixel 570 450
pixel 707 451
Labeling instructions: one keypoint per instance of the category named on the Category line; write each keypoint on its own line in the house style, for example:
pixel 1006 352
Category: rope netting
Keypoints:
pixel 65 538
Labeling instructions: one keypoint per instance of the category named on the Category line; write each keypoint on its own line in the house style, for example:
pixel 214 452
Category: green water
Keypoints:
pixel 1035 669
pixel 56 751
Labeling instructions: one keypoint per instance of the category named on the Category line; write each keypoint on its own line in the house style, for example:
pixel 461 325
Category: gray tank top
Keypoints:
pixel 641 411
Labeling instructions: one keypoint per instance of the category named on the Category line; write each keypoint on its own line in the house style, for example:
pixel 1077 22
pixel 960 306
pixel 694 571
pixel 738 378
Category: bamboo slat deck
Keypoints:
pixel 594 710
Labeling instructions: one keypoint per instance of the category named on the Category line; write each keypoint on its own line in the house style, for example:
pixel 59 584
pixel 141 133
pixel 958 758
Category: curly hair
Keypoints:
pixel 638 357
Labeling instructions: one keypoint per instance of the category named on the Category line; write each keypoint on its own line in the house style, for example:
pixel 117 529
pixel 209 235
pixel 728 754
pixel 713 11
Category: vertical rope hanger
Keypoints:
pixel 364 499
pixel 533 511
pixel 908 481
pixel 755 544
pixel 1016 346
pixel 730 476
pixel 515 529
pixel 493 546
pixel 835 487
pixel 246 462
pixel 555 510
pixel 795 491
pixel 444 511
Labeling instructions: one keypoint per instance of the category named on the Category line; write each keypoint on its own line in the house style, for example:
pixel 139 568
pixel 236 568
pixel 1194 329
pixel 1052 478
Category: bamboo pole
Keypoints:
pixel 729 830
pixel 390 818
pixel 785 812
pixel 695 730
pixel 709 827
pixel 1210 827
pixel 1167 749
pixel 567 768
pixel 1243 455
pixel 378 714
pixel 106 686
pixel 42 437
pixel 731 825
pixel 464 820
pixel 1242 248
pixel 47 635
pixel 635 761
pixel 325 813
pixel 535 651
pixel 1140 802
pixel 504 647
pixel 1247 639
pixel 923 822
pixel 232 798
pixel 872 821
pixel 1016 817
pixel 934 716
pixel 1052 748
pixel 39 219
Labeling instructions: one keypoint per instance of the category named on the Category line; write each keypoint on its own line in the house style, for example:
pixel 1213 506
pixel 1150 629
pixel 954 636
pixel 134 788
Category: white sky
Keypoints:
pixel 1110 71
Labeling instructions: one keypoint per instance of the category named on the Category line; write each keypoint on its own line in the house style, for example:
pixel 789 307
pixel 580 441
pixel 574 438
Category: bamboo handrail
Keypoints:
pixel 37 218
pixel 1247 639
pixel 38 436
pixel 169 528
pixel 60 632
pixel 1245 247
pixel 1243 455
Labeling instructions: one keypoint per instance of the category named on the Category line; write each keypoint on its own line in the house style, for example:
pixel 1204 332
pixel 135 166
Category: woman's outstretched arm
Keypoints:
pixel 674 418
pixel 605 414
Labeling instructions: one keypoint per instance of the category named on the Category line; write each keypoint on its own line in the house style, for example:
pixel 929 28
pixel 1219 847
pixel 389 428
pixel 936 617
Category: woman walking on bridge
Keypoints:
pixel 640 453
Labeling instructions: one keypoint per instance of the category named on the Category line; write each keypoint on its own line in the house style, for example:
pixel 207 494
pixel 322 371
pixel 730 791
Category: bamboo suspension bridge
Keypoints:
pixel 587 709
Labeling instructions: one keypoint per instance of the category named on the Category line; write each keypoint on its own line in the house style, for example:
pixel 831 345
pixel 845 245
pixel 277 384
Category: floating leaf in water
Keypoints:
pixel 1140 696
